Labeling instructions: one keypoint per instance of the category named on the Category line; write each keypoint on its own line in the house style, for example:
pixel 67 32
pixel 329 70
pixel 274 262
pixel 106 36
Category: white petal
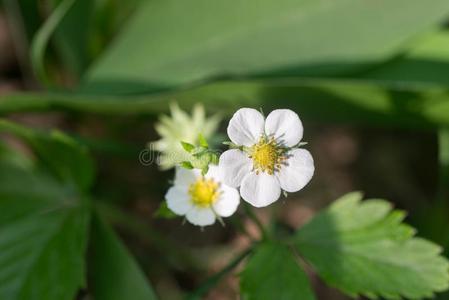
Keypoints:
pixel 233 166
pixel 201 216
pixel 228 202
pixel 285 126
pixel 185 177
pixel 260 189
pixel 213 173
pixel 178 200
pixel 297 171
pixel 246 127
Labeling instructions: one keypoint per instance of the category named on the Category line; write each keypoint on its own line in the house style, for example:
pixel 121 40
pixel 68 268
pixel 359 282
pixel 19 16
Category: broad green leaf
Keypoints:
pixel 114 274
pixel 425 62
pixel 346 101
pixel 43 235
pixel 363 248
pixel 273 273
pixel 168 43
pixel 58 152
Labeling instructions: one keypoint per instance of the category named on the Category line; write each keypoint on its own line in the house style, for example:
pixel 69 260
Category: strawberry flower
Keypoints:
pixel 201 199
pixel 266 158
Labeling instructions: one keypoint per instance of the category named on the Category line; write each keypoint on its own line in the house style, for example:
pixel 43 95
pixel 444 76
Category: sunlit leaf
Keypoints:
pixel 425 62
pixel 168 43
pixel 363 248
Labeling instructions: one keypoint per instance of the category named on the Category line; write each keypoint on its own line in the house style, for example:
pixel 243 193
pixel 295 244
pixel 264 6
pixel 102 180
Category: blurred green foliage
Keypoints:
pixel 374 63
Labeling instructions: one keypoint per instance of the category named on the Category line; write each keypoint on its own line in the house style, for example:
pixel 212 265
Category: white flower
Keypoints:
pixel 181 127
pixel 268 160
pixel 201 198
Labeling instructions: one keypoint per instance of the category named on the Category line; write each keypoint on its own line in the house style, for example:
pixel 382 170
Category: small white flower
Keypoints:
pixel 201 198
pixel 267 161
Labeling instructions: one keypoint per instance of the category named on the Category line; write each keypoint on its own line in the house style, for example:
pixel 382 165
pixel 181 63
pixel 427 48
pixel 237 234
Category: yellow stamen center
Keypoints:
pixel 267 156
pixel 204 192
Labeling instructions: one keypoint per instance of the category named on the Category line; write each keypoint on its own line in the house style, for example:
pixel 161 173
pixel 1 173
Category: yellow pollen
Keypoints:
pixel 204 192
pixel 267 156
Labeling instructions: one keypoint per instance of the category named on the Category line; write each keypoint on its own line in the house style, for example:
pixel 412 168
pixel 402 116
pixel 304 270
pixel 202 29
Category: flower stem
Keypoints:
pixel 240 227
pixel 443 143
pixel 442 201
pixel 256 221
pixel 437 228
pixel 214 279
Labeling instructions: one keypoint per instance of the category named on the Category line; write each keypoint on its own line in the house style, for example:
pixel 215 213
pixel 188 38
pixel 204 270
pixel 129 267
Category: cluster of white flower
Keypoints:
pixel 264 160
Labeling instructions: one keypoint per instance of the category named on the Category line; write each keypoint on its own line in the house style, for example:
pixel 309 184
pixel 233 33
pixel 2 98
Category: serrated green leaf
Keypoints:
pixel 114 274
pixel 283 37
pixel 273 273
pixel 58 152
pixel 363 248
pixel 43 236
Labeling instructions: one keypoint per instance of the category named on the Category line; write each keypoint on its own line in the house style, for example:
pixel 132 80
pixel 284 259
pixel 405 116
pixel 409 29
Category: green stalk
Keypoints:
pixel 42 38
pixel 249 211
pixel 437 227
pixel 442 201
pixel 443 158
pixel 214 279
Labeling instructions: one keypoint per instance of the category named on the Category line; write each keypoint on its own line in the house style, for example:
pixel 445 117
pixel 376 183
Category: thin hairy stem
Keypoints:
pixel 214 279
pixel 249 211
